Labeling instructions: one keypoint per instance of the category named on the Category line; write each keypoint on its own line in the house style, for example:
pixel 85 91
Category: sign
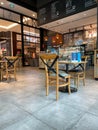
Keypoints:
pixel 89 3
pixel 42 16
pixel 58 9
pixel 62 8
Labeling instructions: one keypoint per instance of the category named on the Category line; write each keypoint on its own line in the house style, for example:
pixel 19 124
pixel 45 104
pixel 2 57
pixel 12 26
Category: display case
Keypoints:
pixel 96 64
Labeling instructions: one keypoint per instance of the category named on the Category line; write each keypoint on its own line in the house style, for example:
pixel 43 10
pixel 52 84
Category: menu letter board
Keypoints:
pixel 89 3
pixel 42 15
pixel 63 8
pixel 72 6
pixel 58 9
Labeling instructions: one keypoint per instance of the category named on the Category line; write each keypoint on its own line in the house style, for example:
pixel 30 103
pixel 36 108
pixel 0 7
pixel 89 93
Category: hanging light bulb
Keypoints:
pixel 57 36
pixel 46 38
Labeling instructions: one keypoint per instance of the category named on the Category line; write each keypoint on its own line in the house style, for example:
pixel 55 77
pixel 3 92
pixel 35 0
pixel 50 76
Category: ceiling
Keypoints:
pixel 79 20
pixel 17 8
pixel 10 26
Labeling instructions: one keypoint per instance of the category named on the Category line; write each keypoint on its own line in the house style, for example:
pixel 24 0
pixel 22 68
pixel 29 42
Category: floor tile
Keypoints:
pixel 59 116
pixel 87 122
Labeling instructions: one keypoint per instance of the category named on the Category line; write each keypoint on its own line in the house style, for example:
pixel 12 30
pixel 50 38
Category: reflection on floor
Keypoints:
pixel 24 106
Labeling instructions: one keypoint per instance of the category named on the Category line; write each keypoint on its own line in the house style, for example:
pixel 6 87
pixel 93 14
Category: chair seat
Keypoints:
pixel 75 70
pixel 61 73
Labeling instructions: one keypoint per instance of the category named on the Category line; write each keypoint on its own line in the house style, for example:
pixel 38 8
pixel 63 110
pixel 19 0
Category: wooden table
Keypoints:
pixel 71 62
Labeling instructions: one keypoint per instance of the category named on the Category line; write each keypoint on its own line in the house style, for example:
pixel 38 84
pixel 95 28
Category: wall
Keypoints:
pixel 58 9
pixel 30 4
pixel 40 3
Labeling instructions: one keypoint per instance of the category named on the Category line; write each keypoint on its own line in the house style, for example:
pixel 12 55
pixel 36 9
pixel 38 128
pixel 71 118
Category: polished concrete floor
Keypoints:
pixel 24 106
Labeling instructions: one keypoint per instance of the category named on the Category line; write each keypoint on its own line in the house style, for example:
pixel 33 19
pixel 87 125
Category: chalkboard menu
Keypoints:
pixel 72 6
pixel 44 15
pixel 62 8
pixel 58 9
pixel 89 3
pixel 54 10
pixel 30 4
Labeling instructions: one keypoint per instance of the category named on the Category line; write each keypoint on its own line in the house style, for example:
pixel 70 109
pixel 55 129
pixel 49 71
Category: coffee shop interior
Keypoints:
pixel 31 43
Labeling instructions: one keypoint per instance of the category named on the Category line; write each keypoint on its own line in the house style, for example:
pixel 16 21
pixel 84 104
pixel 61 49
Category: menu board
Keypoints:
pixel 89 3
pixel 72 6
pixel 54 10
pixel 58 9
pixel 63 8
pixel 42 16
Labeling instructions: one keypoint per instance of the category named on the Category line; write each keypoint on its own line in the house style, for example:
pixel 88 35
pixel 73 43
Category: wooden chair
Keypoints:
pixel 11 66
pixel 3 67
pixel 79 74
pixel 54 77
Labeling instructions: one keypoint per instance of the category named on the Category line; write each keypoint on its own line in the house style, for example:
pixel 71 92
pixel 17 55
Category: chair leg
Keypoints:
pixel 74 81
pixel 69 86
pixel 84 81
pixel 57 88
pixel 15 75
pixel 78 81
pixel 57 92
pixel 7 75
pixel 47 87
pixel 47 90
pixel 1 75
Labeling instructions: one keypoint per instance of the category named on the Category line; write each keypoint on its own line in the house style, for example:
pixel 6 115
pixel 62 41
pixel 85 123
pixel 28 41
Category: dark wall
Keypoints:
pixel 57 9
pixel 29 4
pixel 41 3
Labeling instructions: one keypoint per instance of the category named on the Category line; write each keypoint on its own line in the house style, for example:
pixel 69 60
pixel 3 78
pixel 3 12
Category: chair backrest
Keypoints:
pixel 84 58
pixel 51 62
pixel 11 61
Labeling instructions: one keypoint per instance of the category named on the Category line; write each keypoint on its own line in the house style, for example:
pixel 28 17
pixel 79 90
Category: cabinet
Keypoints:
pixel 96 64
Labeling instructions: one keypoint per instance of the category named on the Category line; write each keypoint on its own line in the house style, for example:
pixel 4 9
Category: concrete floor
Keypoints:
pixel 24 106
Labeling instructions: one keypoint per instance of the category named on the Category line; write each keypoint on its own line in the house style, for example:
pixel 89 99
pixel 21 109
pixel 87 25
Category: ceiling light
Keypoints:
pixel 33 15
pixel 2 3
pixel 84 14
pixel 10 26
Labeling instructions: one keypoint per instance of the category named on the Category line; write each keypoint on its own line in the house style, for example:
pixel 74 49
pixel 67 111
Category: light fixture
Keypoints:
pixel 2 3
pixel 57 36
pixel 33 15
pixel 10 26
pixel 45 38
